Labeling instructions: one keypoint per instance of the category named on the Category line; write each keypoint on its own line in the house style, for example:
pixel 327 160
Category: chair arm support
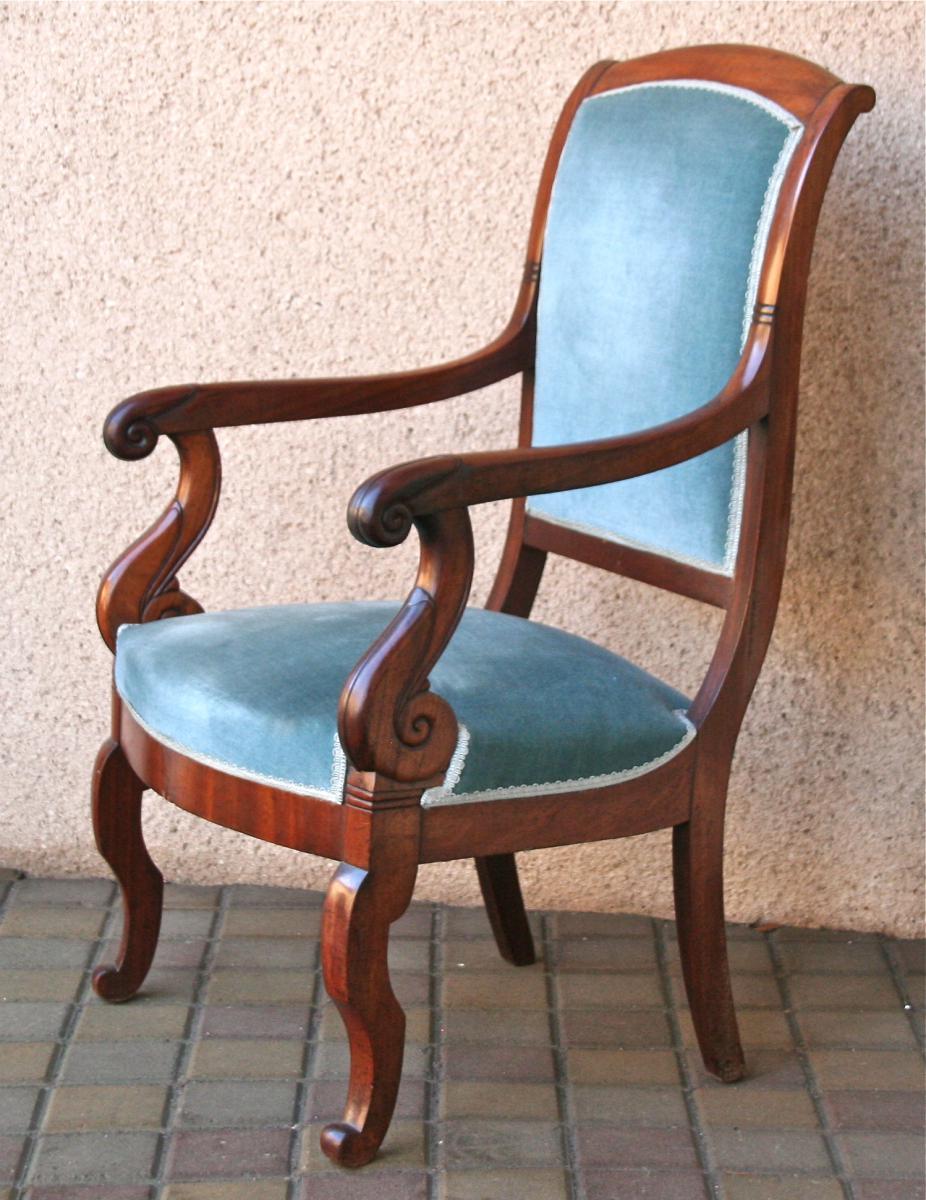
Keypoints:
pixel 389 721
pixel 133 427
pixel 382 509
pixel 142 585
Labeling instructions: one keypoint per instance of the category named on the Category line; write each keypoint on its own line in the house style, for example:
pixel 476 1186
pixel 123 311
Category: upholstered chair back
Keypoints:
pixel 655 239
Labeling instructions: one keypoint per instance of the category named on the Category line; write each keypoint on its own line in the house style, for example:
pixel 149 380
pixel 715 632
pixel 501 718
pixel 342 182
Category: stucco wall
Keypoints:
pixel 195 192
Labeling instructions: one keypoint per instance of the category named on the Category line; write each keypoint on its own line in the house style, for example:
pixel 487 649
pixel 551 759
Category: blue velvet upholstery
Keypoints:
pixel 255 693
pixel 656 233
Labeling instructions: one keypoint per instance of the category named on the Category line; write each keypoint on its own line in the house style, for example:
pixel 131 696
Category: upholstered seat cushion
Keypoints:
pixel 255 693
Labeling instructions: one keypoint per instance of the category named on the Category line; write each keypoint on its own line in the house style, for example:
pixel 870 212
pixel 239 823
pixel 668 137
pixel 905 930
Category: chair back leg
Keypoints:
pixel 117 794
pixel 501 891
pixel 697 852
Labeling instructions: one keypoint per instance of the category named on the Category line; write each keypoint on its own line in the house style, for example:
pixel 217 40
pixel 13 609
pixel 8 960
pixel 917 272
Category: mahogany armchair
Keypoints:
pixel 658 334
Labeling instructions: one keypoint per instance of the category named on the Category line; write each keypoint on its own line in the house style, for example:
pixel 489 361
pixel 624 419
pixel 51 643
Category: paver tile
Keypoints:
pixel 888 1189
pixel 280 1022
pixel 469 1143
pixel 774 1108
pixel 85 1108
pixel 503 1101
pixel 893 1111
pixel 272 923
pixel 236 1104
pixel 531 1184
pixel 518 1027
pixel 252 1189
pixel 630 1105
pixel 17 1104
pixel 138 1021
pixel 119 1062
pixel 891 1070
pixel 623 1028
pixel 514 1064
pixel 237 986
pixel 64 892
pixel 644 1184
pixel 622 1066
pixel 857 957
pixel 606 954
pixel 35 922
pixel 267 953
pixel 835 1028
pixel 912 954
pixel 851 992
pixel 228 1154
pixel 39 983
pixel 189 895
pixel 641 990
pixel 43 952
pixel 770 1150
pixel 25 1062
pixel 883 1155
pixel 370 1185
pixel 780 1187
pixel 100 1158
pixel 601 925
pixel 525 988
pixel 11 1149
pixel 243 1058
pixel 615 1146
pixel 249 895
pixel 40 1021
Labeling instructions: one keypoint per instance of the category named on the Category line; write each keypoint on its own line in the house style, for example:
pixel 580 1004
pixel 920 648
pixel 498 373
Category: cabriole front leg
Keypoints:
pixel 117 793
pixel 359 908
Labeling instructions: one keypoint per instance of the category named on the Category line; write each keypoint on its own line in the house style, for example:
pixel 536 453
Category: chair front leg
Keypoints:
pixel 117 793
pixel 360 906
pixel 697 850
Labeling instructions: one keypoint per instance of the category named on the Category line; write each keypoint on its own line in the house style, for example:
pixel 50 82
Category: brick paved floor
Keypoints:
pixel 571 1080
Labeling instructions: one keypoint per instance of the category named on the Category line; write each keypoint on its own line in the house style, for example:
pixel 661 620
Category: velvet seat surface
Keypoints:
pixel 657 229
pixel 254 692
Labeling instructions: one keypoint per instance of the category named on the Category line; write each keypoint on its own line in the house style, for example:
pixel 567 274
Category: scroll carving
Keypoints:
pixel 389 720
pixel 142 584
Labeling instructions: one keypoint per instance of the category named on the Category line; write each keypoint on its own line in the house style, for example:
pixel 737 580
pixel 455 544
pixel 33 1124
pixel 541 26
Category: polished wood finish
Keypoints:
pixel 117 793
pixel 398 735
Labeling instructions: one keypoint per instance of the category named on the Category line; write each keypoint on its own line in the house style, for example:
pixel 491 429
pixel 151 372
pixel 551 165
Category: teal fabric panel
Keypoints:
pixel 656 232
pixel 256 692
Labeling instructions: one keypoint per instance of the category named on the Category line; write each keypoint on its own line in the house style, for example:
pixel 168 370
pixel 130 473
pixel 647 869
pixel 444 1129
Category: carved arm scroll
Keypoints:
pixel 389 720
pixel 141 585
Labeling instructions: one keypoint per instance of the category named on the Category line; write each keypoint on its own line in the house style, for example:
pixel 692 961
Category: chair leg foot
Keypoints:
pixel 359 908
pixel 501 891
pixel 697 849
pixel 117 793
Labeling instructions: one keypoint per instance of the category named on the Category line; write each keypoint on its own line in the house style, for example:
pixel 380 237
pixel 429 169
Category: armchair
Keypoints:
pixel 658 333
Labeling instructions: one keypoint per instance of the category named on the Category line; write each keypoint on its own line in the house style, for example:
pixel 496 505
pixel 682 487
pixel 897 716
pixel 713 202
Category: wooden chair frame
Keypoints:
pixel 398 735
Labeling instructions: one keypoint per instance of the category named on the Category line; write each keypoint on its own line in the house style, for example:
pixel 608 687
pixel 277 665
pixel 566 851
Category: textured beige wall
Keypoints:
pixel 215 191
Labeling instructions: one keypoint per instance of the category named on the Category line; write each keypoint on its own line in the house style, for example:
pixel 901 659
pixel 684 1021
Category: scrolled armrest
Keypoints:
pixel 133 427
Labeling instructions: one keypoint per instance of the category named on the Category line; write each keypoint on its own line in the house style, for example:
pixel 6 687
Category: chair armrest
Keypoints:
pixel 397 733
pixel 382 509
pixel 133 427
